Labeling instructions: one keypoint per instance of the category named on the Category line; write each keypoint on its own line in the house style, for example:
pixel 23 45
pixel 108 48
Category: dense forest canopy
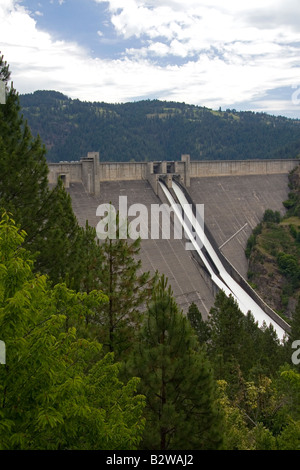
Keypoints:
pixel 155 130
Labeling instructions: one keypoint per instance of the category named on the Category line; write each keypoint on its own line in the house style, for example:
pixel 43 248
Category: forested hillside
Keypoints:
pixel 155 130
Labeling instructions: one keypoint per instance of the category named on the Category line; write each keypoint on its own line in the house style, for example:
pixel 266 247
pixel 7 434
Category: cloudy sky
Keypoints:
pixel 214 53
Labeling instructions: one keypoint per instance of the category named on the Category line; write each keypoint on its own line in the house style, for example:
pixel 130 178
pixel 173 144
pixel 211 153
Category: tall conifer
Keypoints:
pixel 175 378
pixel 23 167
pixel 128 288
pixel 200 326
pixel 45 215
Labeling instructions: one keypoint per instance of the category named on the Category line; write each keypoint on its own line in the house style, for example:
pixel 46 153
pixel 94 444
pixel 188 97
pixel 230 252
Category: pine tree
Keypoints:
pixel 226 323
pixel 175 378
pixel 128 289
pixel 200 326
pixel 45 215
pixel 23 167
pixel 58 238
pixel 88 259
pixel 4 71
pixel 238 346
pixel 272 352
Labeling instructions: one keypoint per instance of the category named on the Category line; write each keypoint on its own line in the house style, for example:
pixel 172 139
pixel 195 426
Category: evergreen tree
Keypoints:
pixel 23 167
pixel 57 242
pixel 226 323
pixel 175 378
pixel 271 351
pixel 238 344
pixel 45 215
pixel 250 353
pixel 4 71
pixel 128 290
pixel 88 259
pixel 200 326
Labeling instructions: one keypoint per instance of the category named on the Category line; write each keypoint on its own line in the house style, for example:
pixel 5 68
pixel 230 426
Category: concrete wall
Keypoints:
pixel 122 171
pixel 73 170
pixel 90 171
pixel 240 167
pixel 86 171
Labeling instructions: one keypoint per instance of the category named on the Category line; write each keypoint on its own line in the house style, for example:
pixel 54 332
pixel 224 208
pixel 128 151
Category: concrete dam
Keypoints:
pixel 235 195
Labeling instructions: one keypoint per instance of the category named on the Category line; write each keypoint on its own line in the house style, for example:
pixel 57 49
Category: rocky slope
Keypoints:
pixel 273 251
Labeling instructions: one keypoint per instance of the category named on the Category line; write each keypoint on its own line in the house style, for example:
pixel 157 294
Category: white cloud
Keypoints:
pixel 228 53
pixel 206 23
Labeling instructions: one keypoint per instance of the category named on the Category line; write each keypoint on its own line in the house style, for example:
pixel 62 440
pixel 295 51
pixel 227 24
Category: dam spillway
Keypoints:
pixel 217 265
pixel 235 196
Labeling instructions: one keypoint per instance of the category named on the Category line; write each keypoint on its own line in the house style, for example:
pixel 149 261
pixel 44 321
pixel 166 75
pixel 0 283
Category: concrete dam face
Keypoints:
pixel 235 195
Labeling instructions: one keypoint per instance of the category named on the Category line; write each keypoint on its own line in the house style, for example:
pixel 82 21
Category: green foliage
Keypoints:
pixel 288 420
pixel 58 240
pixel 272 216
pixel 262 416
pixel 23 168
pixel 292 204
pixel 46 215
pixel 252 240
pixel 235 429
pixel 240 431
pixel 198 324
pixel 57 389
pixel 259 391
pixel 88 259
pixel 155 130
pixel 128 290
pixel 289 438
pixel 226 333
pixel 4 70
pixel 176 379
pixel 289 385
pixel 289 266
pixel 238 347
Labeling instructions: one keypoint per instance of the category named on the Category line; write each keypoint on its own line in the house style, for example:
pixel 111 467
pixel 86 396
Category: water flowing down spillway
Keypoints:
pixel 222 278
